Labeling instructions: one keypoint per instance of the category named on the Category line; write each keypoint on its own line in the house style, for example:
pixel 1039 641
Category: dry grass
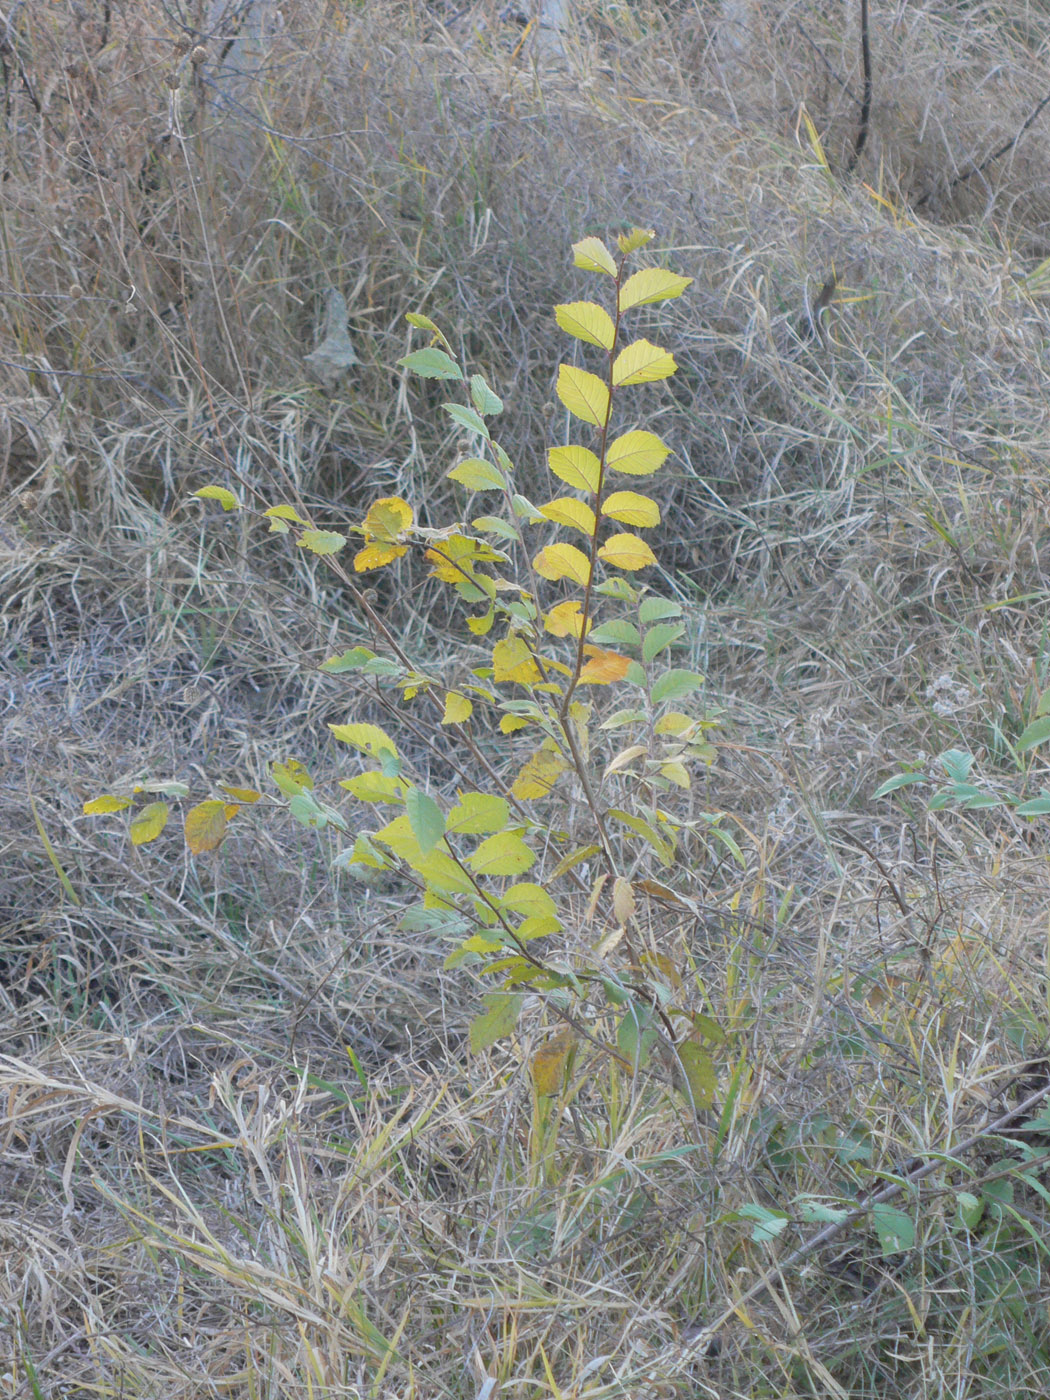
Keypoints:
pixel 246 1150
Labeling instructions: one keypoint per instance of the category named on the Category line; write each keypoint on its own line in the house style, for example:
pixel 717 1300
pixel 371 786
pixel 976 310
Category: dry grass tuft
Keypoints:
pixel 246 1150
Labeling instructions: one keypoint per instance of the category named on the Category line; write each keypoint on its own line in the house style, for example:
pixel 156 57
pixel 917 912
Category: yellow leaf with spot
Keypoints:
pixel 567 510
pixel 206 825
pixel 148 822
pixel 627 552
pixel 563 561
pixel 592 255
pixel 603 667
pixel 367 738
pixel 458 708
pixel 538 775
pixel 565 619
pixel 513 661
pixel 387 519
pixel 637 453
pixel 584 394
pixel 550 1061
pixel 587 321
pixel 641 362
pixel 631 509
pixel 577 466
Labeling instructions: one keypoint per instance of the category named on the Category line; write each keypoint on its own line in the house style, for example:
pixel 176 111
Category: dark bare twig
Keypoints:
pixel 865 106
pixel 995 155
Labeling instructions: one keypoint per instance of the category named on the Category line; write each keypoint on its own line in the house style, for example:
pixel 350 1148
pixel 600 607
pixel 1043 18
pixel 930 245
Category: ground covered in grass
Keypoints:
pixel 248 1150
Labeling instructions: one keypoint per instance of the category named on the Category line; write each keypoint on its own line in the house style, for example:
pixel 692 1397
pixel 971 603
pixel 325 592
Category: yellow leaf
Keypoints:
pixel 374 556
pixel 604 667
pixel 510 724
pixel 458 708
pixel 549 1062
pixel 634 239
pixel 576 466
pixel 148 822
pixel 226 499
pixel 503 854
pixel 513 661
pixel 623 899
pixel 206 825
pixel 676 773
pixel 538 775
pixel 624 758
pixel 651 284
pixel 701 1078
pixel 102 806
pixel 291 777
pixel 627 552
pixel 584 394
pixel 279 516
pixel 641 362
pixel 563 561
pixel 454 558
pixel 637 453
pixel 241 794
pixel 588 322
pixel 592 255
pixel 631 509
pixel 387 519
pixel 565 619
pixel 567 510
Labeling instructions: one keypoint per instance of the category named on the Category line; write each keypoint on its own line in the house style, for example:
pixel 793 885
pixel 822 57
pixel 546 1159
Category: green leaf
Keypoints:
pixel 321 541
pixel 1036 733
pixel 657 609
pixel 957 764
pixel 421 322
pixel 898 780
pixel 659 638
pixel 431 363
pixel 497 1020
pixel 895 1229
pixel 672 685
pixel 969 1209
pixel 701 1079
pixel 477 475
pixel 493 525
pixel 636 1033
pixel 618 631
pixel 426 818
pixel 467 418
pixel 1034 807
pixel 482 397
pixel 768 1223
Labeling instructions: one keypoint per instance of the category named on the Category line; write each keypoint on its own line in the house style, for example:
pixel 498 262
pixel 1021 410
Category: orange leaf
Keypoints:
pixel 604 667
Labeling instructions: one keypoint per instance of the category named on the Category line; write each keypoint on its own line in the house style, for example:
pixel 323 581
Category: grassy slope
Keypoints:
pixel 204 1194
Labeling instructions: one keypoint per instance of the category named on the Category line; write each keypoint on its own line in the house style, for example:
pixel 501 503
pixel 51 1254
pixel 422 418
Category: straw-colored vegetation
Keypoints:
pixel 249 1149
